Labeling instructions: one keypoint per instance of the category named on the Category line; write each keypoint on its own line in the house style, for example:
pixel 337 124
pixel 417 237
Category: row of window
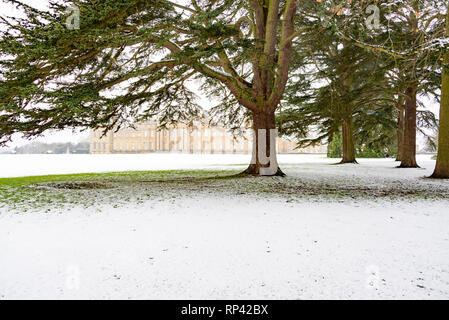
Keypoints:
pixel 135 134
pixel 173 132
pixel 179 147
pixel 99 146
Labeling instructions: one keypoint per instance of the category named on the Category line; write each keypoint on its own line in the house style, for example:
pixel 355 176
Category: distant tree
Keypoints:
pixel 54 148
pixel 410 32
pixel 442 166
pixel 415 38
pixel 343 90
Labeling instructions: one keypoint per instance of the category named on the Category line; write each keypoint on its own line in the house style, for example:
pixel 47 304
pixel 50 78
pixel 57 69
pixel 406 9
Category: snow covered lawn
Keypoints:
pixel 325 231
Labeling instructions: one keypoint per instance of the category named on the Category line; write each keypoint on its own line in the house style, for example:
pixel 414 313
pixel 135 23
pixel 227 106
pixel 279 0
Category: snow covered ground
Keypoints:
pixel 27 165
pixel 214 240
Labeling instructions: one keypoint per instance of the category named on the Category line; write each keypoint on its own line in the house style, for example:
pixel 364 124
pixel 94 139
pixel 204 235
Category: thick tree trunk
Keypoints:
pixel 442 166
pixel 400 133
pixel 266 122
pixel 348 141
pixel 408 156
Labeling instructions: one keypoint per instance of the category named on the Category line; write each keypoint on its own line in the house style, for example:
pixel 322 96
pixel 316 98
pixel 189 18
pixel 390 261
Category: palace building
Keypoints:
pixel 201 138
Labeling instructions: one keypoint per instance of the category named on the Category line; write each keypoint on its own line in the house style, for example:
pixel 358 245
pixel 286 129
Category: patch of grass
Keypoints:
pixel 70 185
pixel 62 191
pixel 116 189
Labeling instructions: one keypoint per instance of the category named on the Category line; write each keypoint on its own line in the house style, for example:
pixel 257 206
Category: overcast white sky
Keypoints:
pixel 53 136
pixel 68 135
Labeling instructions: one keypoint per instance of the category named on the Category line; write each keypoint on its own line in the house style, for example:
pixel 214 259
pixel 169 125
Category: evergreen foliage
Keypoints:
pixel 318 66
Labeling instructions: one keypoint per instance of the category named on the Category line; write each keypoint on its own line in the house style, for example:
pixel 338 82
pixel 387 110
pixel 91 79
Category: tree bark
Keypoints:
pixel 263 121
pixel 442 166
pixel 400 132
pixel 348 141
pixel 408 157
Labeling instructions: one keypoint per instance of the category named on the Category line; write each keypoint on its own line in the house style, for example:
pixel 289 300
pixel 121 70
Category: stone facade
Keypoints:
pixel 146 138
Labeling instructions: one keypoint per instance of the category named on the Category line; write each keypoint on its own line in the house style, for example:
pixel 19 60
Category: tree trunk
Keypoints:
pixel 348 141
pixel 264 123
pixel 442 166
pixel 400 132
pixel 408 156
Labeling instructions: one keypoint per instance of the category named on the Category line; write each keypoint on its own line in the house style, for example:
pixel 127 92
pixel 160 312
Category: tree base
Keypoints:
pixel 439 176
pixel 254 170
pixel 408 166
pixel 440 172
pixel 348 161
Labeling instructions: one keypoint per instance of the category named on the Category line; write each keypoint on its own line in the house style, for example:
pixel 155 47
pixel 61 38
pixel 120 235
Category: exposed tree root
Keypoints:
pixel 349 161
pixel 403 166
pixel 254 170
